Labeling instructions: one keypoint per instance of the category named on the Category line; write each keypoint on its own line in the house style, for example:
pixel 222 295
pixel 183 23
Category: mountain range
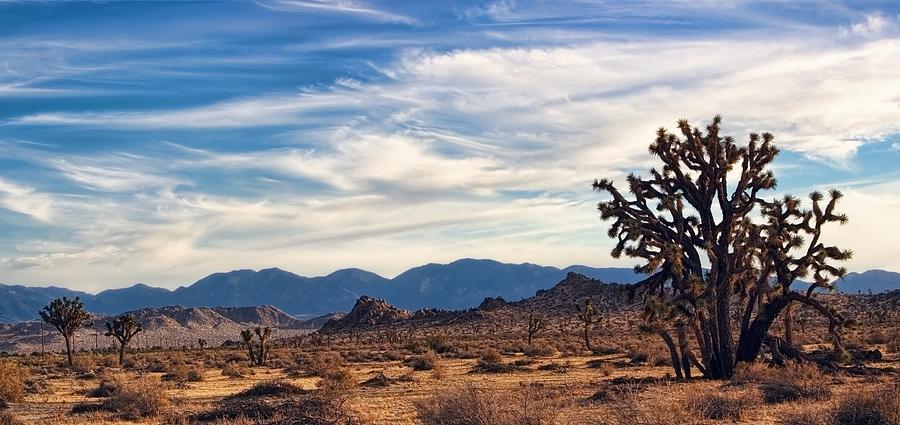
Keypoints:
pixel 458 285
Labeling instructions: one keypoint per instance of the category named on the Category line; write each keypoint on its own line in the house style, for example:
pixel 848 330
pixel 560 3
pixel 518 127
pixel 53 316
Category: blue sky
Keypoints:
pixel 161 141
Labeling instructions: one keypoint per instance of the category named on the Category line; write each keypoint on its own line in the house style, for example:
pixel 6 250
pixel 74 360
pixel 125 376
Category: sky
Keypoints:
pixel 158 142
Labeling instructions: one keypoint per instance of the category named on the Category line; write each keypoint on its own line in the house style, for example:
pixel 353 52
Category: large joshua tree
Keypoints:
pixel 67 316
pixel 123 329
pixel 716 271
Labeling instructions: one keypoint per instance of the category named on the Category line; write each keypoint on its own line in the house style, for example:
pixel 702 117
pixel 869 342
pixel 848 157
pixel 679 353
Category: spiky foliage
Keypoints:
pixel 123 328
pixel 262 354
pixel 67 316
pixel 201 343
pixel 535 325
pixel 247 338
pixel 588 315
pixel 695 213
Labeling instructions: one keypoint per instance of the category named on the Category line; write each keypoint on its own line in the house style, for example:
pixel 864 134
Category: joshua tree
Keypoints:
pixel 67 316
pixel 588 315
pixel 201 343
pixel 247 337
pixel 263 350
pixel 535 325
pixel 123 329
pixel 691 224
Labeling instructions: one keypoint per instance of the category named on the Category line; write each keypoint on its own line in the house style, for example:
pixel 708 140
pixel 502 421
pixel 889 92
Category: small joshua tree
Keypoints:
pixel 588 315
pixel 66 315
pixel 247 337
pixel 123 329
pixel 535 325
pixel 201 343
pixel 263 350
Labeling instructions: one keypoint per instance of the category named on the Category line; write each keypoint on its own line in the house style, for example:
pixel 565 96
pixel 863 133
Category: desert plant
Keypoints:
pixel 426 361
pixel 588 315
pixel 262 350
pixel 528 404
pixel 869 408
pixel 140 398
pixel 720 405
pixel 12 381
pixel 701 247
pixel 247 338
pixel 123 329
pixel 67 316
pixel 535 325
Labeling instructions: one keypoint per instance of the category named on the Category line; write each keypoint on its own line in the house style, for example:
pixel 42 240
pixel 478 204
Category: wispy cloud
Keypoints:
pixel 25 200
pixel 337 6
pixel 400 135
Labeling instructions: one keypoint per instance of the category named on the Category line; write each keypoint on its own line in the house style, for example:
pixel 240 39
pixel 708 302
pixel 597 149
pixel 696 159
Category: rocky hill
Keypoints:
pixel 367 313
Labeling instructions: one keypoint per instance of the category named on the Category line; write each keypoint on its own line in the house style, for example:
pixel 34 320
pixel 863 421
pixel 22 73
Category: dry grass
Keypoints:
pixel 12 382
pixel 529 404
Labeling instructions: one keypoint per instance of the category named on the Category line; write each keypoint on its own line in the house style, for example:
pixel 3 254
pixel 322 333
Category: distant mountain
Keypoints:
pixel 875 281
pixel 459 285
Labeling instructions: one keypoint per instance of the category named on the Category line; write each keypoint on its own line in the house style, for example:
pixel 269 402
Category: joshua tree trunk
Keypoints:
pixel 789 324
pixel 673 352
pixel 70 355
pixel 121 355
pixel 587 336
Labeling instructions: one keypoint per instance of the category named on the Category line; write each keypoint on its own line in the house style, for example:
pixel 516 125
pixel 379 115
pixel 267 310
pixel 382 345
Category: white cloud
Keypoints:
pixel 873 25
pixel 420 164
pixel 25 200
pixel 336 6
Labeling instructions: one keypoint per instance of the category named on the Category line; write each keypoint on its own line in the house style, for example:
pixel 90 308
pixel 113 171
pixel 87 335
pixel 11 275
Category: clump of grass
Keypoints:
pixel 233 370
pixel 719 405
pixel 869 408
pixel 427 361
pixel 12 382
pixel 140 398
pixel 529 404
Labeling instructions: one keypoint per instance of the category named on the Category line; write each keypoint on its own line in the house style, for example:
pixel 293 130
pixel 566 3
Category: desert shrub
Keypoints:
pixel 109 384
pixel 539 350
pixel 439 343
pixel 556 367
pixel 12 381
pixel 84 364
pixel 232 370
pixel 795 381
pixel 756 372
pixel 277 402
pixel 719 405
pixel 630 409
pixel 606 349
pixel 491 355
pixel 604 368
pixel 426 361
pixel 638 354
pixel 805 417
pixel 196 374
pixel 869 408
pixel 324 364
pixel 529 404
pixel 138 399
pixel 270 388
